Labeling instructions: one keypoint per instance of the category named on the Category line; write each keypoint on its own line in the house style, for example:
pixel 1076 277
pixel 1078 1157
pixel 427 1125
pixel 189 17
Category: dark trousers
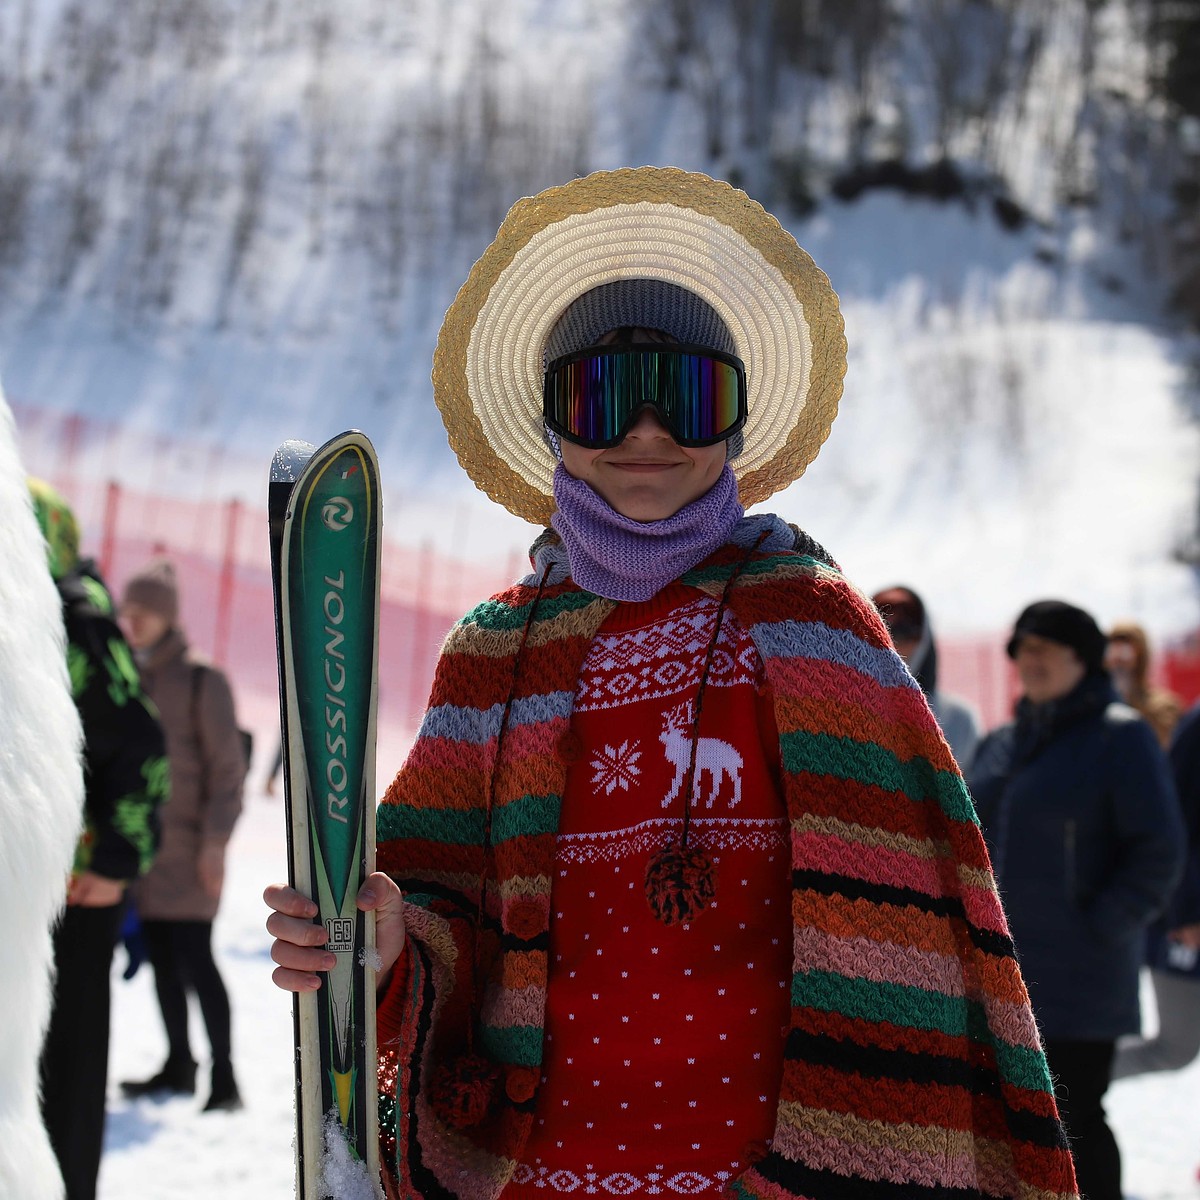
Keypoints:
pixel 182 957
pixel 1081 1072
pixel 74 1065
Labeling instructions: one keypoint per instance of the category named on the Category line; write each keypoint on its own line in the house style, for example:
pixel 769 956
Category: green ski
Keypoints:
pixel 325 539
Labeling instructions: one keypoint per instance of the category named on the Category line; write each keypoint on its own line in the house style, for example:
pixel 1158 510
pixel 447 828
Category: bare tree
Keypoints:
pixel 255 163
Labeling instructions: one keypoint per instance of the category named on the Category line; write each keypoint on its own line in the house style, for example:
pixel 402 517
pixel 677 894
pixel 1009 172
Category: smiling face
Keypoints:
pixel 647 476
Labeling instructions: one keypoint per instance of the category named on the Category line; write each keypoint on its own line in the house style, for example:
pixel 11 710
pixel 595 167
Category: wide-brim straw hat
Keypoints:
pixel 637 223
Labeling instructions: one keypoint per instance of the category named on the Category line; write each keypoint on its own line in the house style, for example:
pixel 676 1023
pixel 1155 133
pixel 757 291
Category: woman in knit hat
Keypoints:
pixel 178 899
pixel 1086 840
pixel 680 887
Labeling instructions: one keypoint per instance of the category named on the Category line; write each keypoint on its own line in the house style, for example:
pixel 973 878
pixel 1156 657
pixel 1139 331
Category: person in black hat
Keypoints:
pixel 1080 817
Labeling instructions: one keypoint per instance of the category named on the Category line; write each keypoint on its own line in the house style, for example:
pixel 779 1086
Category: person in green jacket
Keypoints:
pixel 125 773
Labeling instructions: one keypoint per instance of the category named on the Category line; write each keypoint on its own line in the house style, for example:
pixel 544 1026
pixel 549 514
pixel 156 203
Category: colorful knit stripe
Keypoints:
pixel 870 807
pixel 510 609
pixel 820 596
pixel 462 723
pixel 520 1044
pixel 826 754
pixel 475 670
pixel 523 817
pixel 889 1081
pixel 816 640
pixel 982 918
pixel 403 1047
pixel 529 739
pixel 523 970
pixel 902 1004
pixel 918 842
pixel 842 916
pixel 395 821
pixel 886 962
pixel 896 866
pixel 834 683
pixel 481 679
pixel 713 575
pixel 880 1150
pixel 878 864
pixel 825 1086
pixel 473 680
pixel 457 1163
pixel 778 1179
pixel 898 1152
pixel 884 1051
pixel 444 753
pixel 878 724
pixel 1000 989
pixel 526 816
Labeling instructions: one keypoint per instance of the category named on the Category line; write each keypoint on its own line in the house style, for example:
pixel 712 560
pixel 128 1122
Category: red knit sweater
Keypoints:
pixel 664 1045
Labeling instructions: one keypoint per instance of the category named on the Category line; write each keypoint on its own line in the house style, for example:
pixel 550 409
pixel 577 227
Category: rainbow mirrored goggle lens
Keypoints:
pixel 591 397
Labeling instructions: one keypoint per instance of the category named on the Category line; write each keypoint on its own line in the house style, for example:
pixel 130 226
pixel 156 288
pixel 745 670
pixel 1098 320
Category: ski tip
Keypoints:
pixel 289 460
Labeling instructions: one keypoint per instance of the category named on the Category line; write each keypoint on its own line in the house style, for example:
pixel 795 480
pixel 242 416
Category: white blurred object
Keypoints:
pixel 41 798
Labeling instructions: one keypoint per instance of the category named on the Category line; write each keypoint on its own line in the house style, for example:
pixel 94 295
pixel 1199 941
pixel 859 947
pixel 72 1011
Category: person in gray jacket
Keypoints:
pixel 904 614
pixel 1084 830
pixel 178 899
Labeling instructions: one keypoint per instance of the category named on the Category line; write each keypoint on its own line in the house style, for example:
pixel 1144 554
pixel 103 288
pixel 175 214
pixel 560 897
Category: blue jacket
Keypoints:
pixel 1081 819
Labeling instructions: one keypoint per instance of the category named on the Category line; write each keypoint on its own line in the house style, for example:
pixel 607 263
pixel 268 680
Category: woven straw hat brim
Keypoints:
pixel 644 222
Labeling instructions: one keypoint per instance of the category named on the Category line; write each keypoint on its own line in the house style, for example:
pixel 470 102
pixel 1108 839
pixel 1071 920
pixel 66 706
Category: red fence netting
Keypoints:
pixel 221 554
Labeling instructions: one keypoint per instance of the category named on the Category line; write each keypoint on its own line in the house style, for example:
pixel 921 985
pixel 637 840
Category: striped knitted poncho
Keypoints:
pixel 912 1066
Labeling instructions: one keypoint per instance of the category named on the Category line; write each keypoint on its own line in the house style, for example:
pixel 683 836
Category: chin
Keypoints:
pixel 645 513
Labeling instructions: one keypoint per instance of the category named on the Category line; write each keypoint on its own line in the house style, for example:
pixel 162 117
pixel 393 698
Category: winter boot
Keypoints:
pixel 224 1096
pixel 177 1077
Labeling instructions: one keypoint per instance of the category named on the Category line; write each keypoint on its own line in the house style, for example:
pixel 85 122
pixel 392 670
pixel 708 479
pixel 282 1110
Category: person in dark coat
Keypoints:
pixel 125 779
pixel 1081 819
pixel 1173 941
pixel 179 897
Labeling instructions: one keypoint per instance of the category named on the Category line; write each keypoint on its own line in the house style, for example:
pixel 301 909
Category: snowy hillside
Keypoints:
pixel 228 223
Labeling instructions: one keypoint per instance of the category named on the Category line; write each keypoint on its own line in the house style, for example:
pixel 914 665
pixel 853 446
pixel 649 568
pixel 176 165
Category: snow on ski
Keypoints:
pixel 325 515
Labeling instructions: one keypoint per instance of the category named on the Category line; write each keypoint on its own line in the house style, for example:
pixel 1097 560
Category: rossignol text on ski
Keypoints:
pixel 325 516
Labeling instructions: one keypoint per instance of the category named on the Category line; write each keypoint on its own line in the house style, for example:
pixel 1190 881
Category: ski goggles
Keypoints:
pixel 592 397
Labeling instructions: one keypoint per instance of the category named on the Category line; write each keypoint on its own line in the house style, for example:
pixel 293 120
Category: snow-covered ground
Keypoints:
pixel 168 1150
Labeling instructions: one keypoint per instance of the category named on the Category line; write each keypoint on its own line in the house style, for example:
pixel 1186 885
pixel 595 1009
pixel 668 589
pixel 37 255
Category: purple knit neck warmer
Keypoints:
pixel 622 559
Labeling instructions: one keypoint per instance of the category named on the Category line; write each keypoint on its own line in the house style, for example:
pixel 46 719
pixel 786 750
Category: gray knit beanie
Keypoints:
pixel 639 304
pixel 154 587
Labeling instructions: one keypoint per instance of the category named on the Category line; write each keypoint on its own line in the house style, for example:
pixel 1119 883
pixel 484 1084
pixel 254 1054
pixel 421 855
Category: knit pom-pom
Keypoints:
pixel 462 1090
pixel 680 884
pixel 521 1083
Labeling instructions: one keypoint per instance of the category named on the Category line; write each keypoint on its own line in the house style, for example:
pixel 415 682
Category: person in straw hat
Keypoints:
pixel 680 889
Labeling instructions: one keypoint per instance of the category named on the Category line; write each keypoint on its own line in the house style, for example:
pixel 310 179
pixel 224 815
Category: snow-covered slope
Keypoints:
pixel 288 197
